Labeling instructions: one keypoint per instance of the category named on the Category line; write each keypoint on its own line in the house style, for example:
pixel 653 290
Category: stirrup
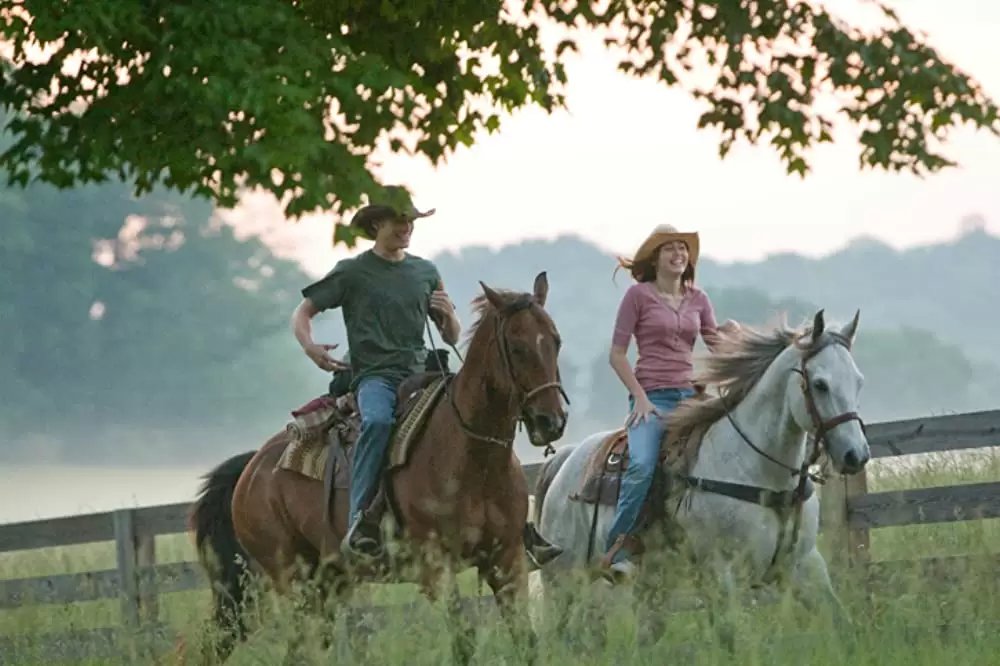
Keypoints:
pixel 628 541
pixel 354 550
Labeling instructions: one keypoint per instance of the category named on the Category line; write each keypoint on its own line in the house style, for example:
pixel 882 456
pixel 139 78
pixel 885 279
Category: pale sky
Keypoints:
pixel 628 156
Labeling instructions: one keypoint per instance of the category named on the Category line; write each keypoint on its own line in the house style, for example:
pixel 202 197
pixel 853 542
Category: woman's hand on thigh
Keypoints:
pixel 643 411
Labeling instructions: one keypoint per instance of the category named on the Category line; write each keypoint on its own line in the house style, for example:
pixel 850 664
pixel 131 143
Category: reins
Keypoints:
pixel 501 318
pixel 820 427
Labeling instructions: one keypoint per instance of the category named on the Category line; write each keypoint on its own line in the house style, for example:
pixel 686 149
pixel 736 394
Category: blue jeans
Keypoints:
pixel 644 455
pixel 376 398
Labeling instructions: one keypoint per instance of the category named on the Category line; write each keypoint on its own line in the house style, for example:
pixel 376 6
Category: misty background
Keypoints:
pixel 144 340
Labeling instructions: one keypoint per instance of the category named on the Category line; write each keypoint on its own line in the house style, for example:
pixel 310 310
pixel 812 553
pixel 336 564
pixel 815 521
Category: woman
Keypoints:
pixel 664 312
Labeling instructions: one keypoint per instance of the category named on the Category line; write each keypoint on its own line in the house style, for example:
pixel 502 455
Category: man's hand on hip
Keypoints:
pixel 320 355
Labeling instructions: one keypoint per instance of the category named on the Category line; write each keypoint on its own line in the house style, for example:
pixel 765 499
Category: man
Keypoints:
pixel 385 294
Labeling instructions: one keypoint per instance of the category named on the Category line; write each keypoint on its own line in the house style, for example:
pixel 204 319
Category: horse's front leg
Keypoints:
pixel 719 583
pixel 434 571
pixel 507 576
pixel 812 588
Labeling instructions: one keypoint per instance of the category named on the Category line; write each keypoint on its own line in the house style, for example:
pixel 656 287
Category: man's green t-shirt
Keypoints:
pixel 385 307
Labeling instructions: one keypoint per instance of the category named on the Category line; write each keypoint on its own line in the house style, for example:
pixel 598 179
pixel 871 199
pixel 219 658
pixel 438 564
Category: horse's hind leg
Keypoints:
pixel 652 590
pixel 569 609
pixel 553 600
pixel 292 562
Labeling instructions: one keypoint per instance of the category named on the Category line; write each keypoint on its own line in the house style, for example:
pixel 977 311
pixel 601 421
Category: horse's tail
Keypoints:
pixel 546 474
pixel 219 551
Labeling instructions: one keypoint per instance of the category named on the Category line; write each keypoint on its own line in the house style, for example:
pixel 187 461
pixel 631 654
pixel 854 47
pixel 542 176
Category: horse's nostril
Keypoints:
pixel 851 460
pixel 547 423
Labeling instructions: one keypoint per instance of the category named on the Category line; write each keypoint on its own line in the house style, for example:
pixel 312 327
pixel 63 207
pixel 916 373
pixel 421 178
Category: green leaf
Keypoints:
pixel 344 234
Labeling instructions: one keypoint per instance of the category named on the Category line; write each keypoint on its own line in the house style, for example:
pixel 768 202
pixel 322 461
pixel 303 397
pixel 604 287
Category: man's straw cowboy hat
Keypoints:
pixel 395 203
pixel 664 233
pixel 369 216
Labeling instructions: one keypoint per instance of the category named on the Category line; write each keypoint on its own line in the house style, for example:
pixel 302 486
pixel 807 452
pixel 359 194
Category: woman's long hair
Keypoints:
pixel 645 270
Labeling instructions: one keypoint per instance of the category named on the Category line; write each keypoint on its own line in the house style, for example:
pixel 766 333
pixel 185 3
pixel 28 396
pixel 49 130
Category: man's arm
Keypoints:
pixel 302 328
pixel 302 322
pixel 448 323
pixel 452 328
pixel 325 294
pixel 444 316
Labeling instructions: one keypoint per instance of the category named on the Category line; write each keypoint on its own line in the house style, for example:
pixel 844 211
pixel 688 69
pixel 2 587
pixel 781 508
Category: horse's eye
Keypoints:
pixel 519 351
pixel 821 385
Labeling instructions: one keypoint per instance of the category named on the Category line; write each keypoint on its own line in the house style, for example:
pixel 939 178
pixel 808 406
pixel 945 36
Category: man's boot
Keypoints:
pixel 363 542
pixel 540 552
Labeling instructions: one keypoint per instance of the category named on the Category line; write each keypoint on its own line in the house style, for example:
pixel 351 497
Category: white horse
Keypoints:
pixel 775 388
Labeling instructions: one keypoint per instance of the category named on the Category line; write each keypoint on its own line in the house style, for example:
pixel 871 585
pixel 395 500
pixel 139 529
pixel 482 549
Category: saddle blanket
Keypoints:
pixel 325 427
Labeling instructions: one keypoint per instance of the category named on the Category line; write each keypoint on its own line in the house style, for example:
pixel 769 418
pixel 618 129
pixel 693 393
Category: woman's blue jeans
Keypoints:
pixel 644 455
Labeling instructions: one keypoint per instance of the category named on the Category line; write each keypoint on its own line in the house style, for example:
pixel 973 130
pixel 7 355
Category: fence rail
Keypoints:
pixel 849 515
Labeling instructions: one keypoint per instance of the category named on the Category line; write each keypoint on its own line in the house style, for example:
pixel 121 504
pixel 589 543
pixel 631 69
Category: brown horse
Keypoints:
pixel 461 499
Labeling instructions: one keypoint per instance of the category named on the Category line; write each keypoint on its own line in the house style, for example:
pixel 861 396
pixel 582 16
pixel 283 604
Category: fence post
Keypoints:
pixel 128 559
pixel 833 519
pixel 146 560
pixel 849 546
pixel 136 553
pixel 858 538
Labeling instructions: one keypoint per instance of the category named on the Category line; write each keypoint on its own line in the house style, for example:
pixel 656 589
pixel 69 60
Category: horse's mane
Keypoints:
pixel 482 309
pixel 736 367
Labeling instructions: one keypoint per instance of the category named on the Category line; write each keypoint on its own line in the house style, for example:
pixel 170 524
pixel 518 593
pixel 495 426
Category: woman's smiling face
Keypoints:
pixel 673 258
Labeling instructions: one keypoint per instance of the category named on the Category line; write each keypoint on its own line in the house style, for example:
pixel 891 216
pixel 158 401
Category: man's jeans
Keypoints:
pixel 644 455
pixel 376 398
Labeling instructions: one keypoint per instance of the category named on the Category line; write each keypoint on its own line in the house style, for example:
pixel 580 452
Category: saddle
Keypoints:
pixel 436 362
pixel 601 483
pixel 602 476
pixel 415 399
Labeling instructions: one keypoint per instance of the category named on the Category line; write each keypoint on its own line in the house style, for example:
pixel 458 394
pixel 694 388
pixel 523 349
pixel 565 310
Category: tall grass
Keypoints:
pixel 911 619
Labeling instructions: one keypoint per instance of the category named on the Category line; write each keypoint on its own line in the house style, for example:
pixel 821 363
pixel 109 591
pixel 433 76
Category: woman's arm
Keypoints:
pixel 619 362
pixel 712 333
pixel 625 325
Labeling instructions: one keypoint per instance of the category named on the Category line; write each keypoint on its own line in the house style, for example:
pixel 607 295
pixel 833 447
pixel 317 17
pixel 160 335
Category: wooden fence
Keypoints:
pixel 850 512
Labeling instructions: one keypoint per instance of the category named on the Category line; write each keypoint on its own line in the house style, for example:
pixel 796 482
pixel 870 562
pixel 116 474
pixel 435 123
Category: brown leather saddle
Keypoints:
pixel 407 395
pixel 601 483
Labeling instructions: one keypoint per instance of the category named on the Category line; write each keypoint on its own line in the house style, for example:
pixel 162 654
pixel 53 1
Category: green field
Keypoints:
pixel 898 623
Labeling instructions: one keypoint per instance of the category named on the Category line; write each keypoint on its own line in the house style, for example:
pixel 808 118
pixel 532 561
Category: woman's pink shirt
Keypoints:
pixel 665 336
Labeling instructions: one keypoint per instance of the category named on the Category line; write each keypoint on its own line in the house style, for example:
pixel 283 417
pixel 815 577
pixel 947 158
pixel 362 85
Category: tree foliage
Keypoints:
pixel 294 96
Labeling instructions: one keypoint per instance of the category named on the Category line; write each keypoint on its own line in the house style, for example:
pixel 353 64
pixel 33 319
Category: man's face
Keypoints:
pixel 394 234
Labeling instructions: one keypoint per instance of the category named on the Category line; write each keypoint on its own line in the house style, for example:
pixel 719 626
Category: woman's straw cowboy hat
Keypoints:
pixel 664 233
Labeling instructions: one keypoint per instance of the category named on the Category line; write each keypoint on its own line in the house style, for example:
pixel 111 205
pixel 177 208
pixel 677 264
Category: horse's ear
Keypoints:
pixel 495 299
pixel 850 331
pixel 541 288
pixel 819 325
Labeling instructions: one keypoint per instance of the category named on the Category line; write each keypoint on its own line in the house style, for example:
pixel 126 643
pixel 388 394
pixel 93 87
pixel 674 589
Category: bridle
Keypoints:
pixel 821 427
pixel 522 396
